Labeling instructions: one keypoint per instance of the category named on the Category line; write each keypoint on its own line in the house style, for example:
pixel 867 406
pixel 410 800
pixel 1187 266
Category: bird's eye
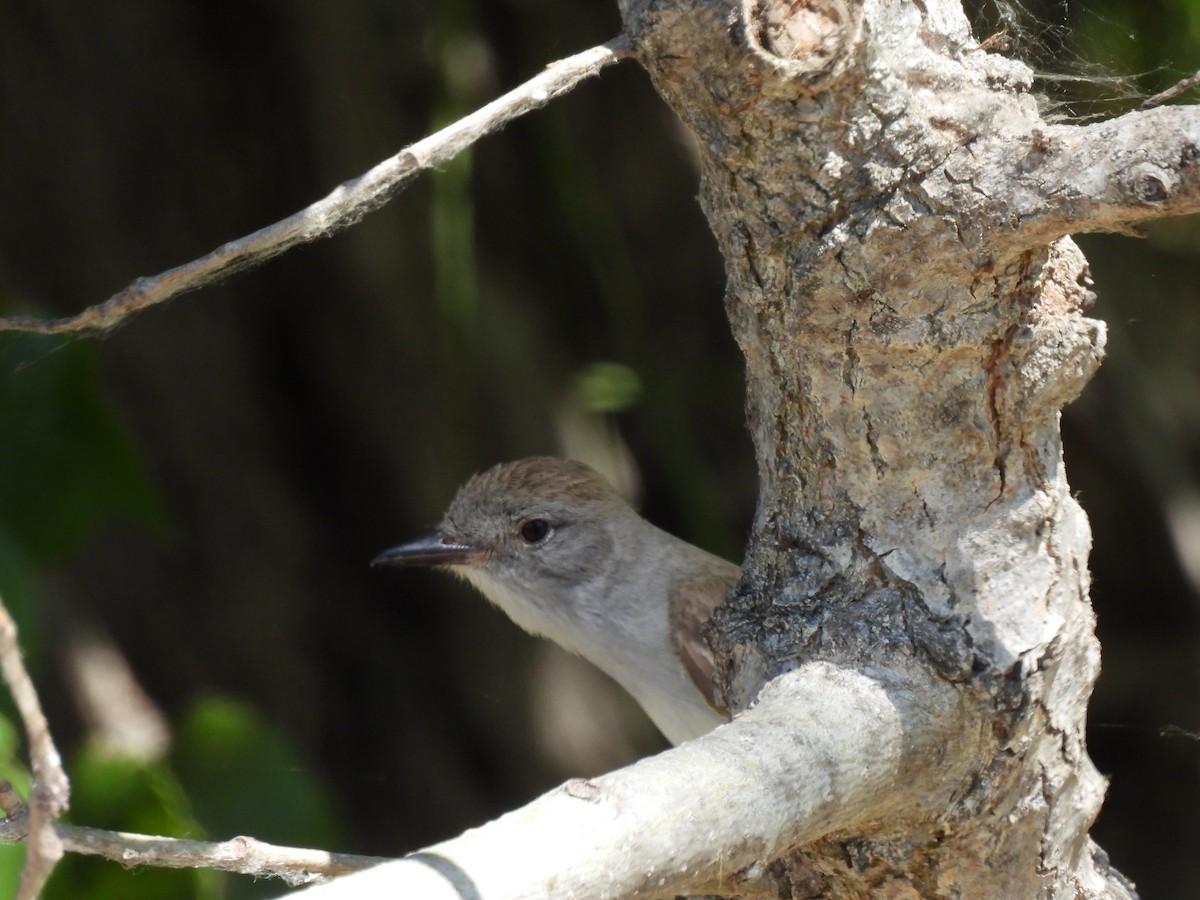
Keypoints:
pixel 535 531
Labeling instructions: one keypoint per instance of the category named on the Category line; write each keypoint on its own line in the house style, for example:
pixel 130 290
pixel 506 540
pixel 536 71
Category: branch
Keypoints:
pixel 46 839
pixel 824 749
pixel 1180 87
pixel 241 855
pixel 1107 176
pixel 50 790
pixel 339 210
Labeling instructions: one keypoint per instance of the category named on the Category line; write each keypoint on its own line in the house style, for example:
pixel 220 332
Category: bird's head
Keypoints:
pixel 541 526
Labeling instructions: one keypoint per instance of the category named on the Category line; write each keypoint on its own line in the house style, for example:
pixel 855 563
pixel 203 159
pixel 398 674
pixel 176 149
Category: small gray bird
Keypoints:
pixel 552 544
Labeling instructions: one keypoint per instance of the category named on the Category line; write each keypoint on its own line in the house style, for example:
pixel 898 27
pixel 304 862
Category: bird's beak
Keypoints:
pixel 436 549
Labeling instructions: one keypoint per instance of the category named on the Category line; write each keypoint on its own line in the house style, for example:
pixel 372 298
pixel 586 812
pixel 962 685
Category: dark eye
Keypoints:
pixel 535 531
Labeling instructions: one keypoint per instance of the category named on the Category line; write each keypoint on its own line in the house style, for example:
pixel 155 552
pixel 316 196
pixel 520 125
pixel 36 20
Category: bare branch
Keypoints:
pixel 1180 87
pixel 1104 177
pixel 242 855
pixel 822 750
pixel 50 791
pixel 339 210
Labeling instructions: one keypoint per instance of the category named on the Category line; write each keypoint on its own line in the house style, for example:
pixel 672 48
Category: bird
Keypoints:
pixel 556 547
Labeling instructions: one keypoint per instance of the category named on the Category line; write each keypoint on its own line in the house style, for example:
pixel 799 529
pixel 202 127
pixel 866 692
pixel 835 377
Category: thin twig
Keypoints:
pixel 1172 92
pixel 50 790
pixel 345 206
pixel 242 855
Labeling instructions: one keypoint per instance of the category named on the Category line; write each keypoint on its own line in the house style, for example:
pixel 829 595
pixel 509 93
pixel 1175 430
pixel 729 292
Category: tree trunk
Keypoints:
pixel 891 210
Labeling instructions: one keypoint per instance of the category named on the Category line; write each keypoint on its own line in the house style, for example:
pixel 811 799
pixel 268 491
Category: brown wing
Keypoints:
pixel 692 603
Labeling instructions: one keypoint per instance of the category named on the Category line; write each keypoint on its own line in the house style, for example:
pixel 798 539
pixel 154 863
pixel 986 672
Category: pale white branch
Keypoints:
pixel 824 748
pixel 345 206
pixel 1107 176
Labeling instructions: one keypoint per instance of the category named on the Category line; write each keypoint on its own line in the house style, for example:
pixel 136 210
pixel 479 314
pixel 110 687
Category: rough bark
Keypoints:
pixel 893 214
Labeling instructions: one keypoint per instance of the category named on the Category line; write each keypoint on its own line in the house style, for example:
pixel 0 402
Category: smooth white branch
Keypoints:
pixel 823 750
pixel 345 206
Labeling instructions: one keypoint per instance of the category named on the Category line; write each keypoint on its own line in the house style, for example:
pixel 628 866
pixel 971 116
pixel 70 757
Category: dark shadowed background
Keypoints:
pixel 188 506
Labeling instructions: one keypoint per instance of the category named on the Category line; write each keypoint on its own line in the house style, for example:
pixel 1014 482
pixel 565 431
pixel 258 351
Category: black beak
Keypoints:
pixel 437 549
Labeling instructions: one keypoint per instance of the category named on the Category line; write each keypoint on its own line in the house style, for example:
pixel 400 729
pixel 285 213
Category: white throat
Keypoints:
pixel 635 650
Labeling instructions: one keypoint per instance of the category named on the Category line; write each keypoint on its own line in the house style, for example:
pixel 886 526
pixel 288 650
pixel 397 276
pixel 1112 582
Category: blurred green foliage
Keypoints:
pixel 245 777
pixel 68 460
pixel 68 466
pixel 229 773
pixel 12 856
pixel 608 387
pixel 122 794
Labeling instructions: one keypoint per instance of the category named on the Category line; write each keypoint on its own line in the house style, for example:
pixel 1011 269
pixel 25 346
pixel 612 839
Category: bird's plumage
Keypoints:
pixel 552 544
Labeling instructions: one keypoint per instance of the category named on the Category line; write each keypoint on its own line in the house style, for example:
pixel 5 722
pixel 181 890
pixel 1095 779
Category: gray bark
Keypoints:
pixel 893 214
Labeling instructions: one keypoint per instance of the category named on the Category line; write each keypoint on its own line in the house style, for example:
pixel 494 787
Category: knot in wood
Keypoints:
pixel 1151 184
